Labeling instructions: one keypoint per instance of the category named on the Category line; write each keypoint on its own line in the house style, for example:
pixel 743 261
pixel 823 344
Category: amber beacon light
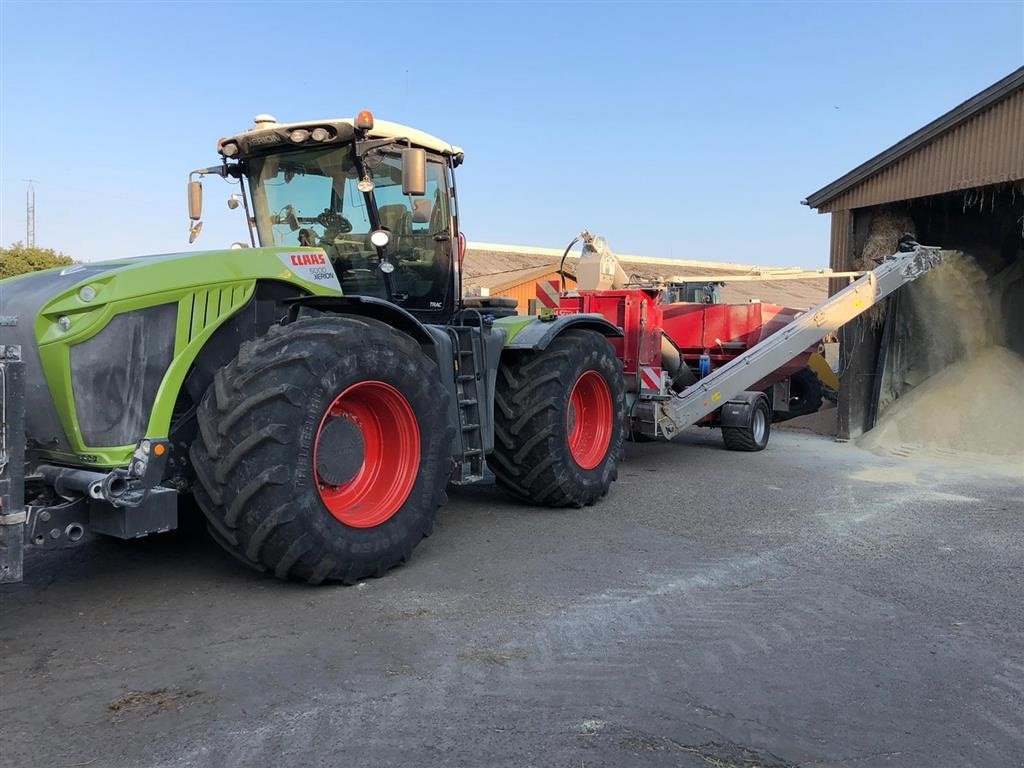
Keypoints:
pixel 364 120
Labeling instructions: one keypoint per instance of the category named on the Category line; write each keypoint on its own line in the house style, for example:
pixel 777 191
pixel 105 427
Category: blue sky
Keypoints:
pixel 685 130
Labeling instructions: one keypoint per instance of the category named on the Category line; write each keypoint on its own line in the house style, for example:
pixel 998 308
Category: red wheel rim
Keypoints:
pixel 391 454
pixel 589 420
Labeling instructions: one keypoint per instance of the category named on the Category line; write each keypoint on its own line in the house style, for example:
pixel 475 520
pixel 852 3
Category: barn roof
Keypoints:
pixel 500 281
pixel 499 268
pixel 971 145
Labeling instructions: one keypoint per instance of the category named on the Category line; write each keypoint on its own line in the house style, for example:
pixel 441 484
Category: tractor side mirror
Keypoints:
pixel 195 210
pixel 195 200
pixel 414 171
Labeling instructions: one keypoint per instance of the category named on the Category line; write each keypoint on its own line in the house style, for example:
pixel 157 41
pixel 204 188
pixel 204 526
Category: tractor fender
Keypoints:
pixel 270 304
pixel 366 306
pixel 738 411
pixel 536 334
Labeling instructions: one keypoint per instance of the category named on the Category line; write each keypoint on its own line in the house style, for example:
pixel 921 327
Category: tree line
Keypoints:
pixel 18 259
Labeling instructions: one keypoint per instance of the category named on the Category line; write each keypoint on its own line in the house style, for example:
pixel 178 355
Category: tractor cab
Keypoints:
pixel 692 293
pixel 377 197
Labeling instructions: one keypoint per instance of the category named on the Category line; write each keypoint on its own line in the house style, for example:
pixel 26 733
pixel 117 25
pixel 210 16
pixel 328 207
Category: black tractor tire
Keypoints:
pixel 283 396
pixel 754 436
pixel 535 419
pixel 805 394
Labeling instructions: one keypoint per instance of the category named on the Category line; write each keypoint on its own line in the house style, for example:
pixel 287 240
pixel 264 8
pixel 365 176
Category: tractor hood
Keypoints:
pixel 121 324
pixel 147 274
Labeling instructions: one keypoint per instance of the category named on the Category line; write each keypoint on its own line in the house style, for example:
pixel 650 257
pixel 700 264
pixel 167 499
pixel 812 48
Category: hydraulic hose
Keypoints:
pixel 561 264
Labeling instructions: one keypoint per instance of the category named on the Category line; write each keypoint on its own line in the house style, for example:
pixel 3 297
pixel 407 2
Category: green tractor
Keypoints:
pixel 313 390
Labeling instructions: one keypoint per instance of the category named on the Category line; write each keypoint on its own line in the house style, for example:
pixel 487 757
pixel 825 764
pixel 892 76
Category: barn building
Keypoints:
pixel 531 275
pixel 958 183
pixel 533 286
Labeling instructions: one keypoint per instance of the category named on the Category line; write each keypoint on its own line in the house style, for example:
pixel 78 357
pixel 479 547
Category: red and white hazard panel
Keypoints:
pixel 548 293
pixel 650 378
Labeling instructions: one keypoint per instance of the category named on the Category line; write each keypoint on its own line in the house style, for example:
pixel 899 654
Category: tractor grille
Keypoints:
pixel 117 372
pixel 20 302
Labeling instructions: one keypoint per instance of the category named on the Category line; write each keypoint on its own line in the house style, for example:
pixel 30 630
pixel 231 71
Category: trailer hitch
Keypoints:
pixel 57 526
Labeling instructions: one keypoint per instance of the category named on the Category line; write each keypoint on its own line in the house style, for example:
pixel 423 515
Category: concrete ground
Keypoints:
pixel 812 605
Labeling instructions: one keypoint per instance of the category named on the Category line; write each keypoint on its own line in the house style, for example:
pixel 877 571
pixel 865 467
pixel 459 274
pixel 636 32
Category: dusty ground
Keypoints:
pixel 811 605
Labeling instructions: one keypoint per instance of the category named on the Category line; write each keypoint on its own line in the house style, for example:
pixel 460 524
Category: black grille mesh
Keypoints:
pixel 117 372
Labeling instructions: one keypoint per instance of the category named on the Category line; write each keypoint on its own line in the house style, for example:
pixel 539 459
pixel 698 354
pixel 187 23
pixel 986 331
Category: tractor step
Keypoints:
pixel 468 354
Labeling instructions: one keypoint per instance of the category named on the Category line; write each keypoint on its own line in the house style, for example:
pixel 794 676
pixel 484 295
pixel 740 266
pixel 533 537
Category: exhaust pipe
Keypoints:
pixel 72 482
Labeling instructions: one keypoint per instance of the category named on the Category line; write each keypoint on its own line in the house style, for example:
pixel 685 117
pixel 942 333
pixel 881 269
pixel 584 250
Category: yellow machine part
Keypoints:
pixel 823 371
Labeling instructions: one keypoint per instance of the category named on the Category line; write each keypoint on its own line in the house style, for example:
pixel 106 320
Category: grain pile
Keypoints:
pixel 970 392
pixel 823 422
pixel 954 314
pixel 975 405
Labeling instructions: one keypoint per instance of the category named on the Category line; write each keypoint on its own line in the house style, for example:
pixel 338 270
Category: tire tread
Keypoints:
pixel 531 459
pixel 251 422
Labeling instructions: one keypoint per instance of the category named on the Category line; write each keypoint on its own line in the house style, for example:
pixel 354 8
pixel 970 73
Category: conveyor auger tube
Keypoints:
pixel 716 389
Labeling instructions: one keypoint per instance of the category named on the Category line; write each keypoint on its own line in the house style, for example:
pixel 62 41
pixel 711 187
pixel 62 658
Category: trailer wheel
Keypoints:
pixel 805 393
pixel 753 436
pixel 323 450
pixel 559 421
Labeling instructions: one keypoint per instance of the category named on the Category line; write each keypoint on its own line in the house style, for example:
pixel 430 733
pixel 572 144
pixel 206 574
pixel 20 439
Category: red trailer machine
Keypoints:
pixel 668 347
pixel 710 335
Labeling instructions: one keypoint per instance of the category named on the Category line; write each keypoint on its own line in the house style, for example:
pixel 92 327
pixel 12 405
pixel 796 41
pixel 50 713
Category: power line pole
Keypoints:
pixel 30 214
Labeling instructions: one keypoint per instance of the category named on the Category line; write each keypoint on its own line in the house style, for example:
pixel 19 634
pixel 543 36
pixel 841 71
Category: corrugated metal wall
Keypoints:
pixel 523 292
pixel 840 253
pixel 986 149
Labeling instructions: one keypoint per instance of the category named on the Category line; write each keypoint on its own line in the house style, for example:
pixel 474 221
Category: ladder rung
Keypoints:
pixel 470 427
pixel 464 403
